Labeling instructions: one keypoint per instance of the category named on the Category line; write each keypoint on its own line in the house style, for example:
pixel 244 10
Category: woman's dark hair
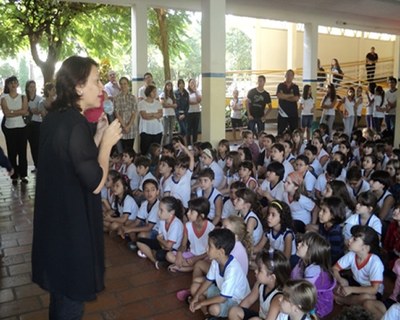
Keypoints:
pixel 332 93
pixel 306 91
pixel 379 91
pixel 74 71
pixel 124 78
pixel 47 88
pixel 181 81
pixel 149 90
pixel 188 88
pixel 27 84
pixel 169 93
pixel 336 207
pixel 8 82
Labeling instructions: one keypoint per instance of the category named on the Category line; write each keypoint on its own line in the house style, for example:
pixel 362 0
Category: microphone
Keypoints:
pixel 108 107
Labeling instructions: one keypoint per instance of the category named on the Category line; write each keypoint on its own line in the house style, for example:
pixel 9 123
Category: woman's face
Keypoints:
pixel 153 94
pixel 13 85
pixel 168 86
pixel 192 84
pixel 181 85
pixel 32 88
pixel 92 91
pixel 124 85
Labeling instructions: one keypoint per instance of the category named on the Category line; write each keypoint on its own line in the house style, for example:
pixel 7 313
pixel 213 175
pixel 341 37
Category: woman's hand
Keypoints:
pixel 111 133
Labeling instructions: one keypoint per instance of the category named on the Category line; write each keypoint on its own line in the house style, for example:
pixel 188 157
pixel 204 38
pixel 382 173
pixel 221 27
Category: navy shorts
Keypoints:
pixel 236 123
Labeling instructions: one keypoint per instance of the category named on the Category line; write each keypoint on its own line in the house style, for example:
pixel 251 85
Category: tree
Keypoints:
pixel 167 30
pixel 238 50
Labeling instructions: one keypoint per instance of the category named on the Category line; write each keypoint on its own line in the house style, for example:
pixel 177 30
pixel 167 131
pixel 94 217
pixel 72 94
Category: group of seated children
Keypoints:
pixel 317 221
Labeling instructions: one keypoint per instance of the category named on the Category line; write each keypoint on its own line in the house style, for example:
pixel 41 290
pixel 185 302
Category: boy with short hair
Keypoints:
pixel 311 153
pixel 214 197
pixel 128 168
pixel 355 183
pixel 231 285
pixel 142 164
pixel 309 180
pixel 182 176
pixel 228 208
pixel 272 187
pixel 166 168
pixel 248 141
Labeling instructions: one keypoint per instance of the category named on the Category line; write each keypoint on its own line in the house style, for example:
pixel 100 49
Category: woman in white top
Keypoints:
pixel 193 118
pixel 168 102
pixel 379 108
pixel 14 107
pixel 328 107
pixel 150 124
pixel 348 110
pixel 33 128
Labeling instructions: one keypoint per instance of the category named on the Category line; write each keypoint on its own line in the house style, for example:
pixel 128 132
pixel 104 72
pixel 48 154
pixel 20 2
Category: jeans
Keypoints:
pixel 348 125
pixel 390 120
pixel 328 120
pixel 256 122
pixel 169 126
pixel 16 141
pixel 193 121
pixel 378 124
pixel 64 308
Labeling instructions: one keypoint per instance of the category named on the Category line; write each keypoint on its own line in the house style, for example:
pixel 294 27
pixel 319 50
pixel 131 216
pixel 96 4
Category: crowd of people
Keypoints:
pixel 313 212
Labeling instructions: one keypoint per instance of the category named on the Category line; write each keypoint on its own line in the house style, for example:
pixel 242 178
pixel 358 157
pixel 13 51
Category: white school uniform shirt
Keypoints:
pixel 321 182
pixel 107 194
pixel 181 189
pixel 218 174
pixel 265 301
pixel 284 316
pixel 165 185
pixel 131 173
pixel 167 111
pixel 308 104
pixel 230 178
pixel 147 176
pixel 231 281
pixel 360 106
pixel 309 181
pixel 316 165
pixel 288 168
pixel 364 186
pixel 276 192
pixel 228 209
pixel 149 214
pixel 212 198
pixel 328 112
pixel 393 313
pixel 277 241
pixel 221 162
pixel 198 240
pixel 376 113
pixel 349 106
pixel 172 232
pixel 380 202
pixel 258 229
pixel 355 219
pixel 35 104
pixel 391 96
pixel 368 272
pixel 128 206
pixel 300 209
pixel 322 154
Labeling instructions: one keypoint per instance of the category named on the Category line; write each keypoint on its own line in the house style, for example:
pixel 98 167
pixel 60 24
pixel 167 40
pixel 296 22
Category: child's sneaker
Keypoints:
pixel 141 254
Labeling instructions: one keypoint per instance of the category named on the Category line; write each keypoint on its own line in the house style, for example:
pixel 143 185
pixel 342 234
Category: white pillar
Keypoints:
pixel 310 56
pixel 291 46
pixel 396 74
pixel 213 70
pixel 139 44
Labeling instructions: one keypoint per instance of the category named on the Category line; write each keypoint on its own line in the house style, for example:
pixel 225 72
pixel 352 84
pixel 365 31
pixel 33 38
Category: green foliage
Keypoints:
pixel 238 50
pixel 7 70
pixel 23 73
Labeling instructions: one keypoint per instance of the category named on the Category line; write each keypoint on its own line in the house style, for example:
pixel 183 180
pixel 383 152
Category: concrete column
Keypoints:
pixel 213 70
pixel 396 74
pixel 310 56
pixel 139 44
pixel 291 46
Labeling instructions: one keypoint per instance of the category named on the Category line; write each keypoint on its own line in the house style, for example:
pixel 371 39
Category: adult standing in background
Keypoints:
pixel 321 74
pixel 391 104
pixel 182 107
pixel 194 112
pixel 150 124
pixel 370 64
pixel 337 73
pixel 112 88
pixel 288 94
pixel 257 99
pixel 328 105
pixel 68 239
pixel 148 81
pixel 168 101
pixel 126 111
pixel 33 127
pixel 15 106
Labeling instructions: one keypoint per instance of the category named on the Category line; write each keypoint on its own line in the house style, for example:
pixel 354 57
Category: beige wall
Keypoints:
pixel 271 49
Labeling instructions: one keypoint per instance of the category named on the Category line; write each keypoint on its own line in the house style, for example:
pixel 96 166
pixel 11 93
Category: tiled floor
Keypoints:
pixel 134 289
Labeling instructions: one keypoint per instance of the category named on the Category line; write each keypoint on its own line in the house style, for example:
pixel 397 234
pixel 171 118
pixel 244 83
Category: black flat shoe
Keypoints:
pixel 24 180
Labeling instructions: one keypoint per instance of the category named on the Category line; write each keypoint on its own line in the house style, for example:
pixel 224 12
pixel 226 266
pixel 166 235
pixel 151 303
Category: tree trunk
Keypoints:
pixel 163 25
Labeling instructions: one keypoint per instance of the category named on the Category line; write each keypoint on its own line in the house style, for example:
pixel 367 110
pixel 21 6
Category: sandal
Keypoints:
pixel 141 254
pixel 157 265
